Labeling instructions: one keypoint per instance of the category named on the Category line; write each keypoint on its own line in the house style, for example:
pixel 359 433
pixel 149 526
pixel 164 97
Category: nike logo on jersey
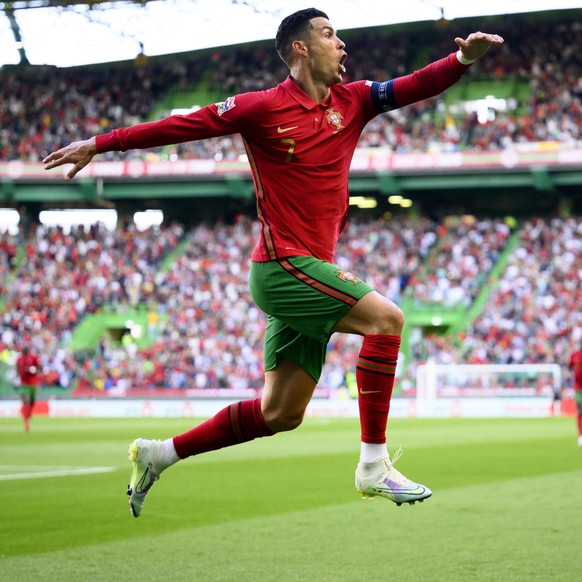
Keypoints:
pixel 284 130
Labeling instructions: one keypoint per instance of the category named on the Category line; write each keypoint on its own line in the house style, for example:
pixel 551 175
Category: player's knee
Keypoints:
pixel 390 320
pixel 283 420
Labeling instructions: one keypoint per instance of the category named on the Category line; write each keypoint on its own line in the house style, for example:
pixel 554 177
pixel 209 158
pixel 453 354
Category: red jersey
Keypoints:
pixel 299 150
pixel 576 365
pixel 28 366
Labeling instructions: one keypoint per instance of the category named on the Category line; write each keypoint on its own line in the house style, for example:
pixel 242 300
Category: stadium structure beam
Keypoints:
pixel 549 185
pixel 26 5
pixel 542 180
pixel 9 11
pixel 10 8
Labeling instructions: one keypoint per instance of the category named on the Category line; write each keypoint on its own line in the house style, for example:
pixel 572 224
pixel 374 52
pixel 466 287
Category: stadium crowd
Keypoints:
pixel 205 332
pixel 44 108
pixel 533 313
pixel 535 307
pixel 64 276
pixel 203 328
pixel 465 253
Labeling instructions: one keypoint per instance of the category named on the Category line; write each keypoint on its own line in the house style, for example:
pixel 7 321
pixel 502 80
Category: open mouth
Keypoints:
pixel 342 63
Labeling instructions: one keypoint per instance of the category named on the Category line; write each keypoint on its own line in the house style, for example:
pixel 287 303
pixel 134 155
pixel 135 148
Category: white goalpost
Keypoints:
pixel 487 389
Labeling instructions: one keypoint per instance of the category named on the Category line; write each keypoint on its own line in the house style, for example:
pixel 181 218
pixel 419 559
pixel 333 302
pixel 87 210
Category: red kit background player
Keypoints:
pixel 28 368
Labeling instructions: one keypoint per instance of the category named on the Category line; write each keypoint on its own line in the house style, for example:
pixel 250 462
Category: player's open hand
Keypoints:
pixel 477 44
pixel 79 153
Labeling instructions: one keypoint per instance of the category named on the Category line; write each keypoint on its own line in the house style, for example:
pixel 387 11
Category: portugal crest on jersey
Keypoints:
pixel 335 118
pixel 347 276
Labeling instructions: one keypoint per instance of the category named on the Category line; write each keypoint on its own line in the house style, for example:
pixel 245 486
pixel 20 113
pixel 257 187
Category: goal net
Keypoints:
pixel 487 389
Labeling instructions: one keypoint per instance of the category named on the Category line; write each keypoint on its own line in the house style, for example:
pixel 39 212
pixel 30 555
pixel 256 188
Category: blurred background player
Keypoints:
pixel 576 365
pixel 28 367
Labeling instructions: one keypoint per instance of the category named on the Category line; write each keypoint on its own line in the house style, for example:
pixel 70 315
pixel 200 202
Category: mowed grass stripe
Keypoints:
pixel 293 471
pixel 514 531
pixel 198 492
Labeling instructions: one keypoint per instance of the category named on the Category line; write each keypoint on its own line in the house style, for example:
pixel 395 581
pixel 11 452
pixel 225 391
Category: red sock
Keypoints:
pixel 579 424
pixel 26 411
pixel 375 371
pixel 237 423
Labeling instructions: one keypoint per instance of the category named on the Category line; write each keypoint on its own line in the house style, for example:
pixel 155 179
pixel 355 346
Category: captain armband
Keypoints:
pixel 383 96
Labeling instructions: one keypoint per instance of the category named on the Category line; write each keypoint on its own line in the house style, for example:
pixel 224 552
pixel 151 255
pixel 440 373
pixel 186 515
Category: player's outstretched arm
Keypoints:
pixel 79 153
pixel 477 44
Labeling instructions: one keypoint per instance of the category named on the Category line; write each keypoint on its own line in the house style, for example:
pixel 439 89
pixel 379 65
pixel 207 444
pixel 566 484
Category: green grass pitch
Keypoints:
pixel 507 505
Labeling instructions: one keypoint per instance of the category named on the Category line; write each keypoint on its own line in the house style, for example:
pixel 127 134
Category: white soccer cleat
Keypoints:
pixel 381 479
pixel 147 457
pixel 580 441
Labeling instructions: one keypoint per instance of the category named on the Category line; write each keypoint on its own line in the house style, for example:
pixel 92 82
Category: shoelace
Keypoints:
pixel 395 457
pixel 395 474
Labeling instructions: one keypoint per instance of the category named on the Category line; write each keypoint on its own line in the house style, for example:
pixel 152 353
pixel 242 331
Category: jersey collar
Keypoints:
pixel 299 95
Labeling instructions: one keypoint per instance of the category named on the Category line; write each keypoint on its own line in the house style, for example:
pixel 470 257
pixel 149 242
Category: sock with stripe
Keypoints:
pixel 237 423
pixel 375 372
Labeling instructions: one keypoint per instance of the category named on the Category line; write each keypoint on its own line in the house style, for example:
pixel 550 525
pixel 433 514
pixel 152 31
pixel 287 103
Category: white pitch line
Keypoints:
pixel 39 467
pixel 63 472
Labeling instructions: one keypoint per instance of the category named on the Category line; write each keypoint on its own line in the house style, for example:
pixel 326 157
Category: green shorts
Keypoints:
pixel 304 298
pixel 28 392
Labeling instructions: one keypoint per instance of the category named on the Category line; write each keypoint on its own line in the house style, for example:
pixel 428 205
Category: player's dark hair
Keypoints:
pixel 293 27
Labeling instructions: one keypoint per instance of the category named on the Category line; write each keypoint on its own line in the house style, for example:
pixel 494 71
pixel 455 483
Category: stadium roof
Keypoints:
pixel 75 32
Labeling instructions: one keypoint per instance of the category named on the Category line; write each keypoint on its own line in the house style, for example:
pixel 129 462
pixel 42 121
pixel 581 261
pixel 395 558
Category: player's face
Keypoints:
pixel 326 52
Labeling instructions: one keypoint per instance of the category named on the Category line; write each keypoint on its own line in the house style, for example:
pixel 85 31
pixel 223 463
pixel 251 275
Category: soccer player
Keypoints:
pixel 576 364
pixel 28 367
pixel 300 137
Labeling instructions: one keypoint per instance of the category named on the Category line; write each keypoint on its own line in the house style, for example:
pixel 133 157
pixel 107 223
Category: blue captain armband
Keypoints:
pixel 383 96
